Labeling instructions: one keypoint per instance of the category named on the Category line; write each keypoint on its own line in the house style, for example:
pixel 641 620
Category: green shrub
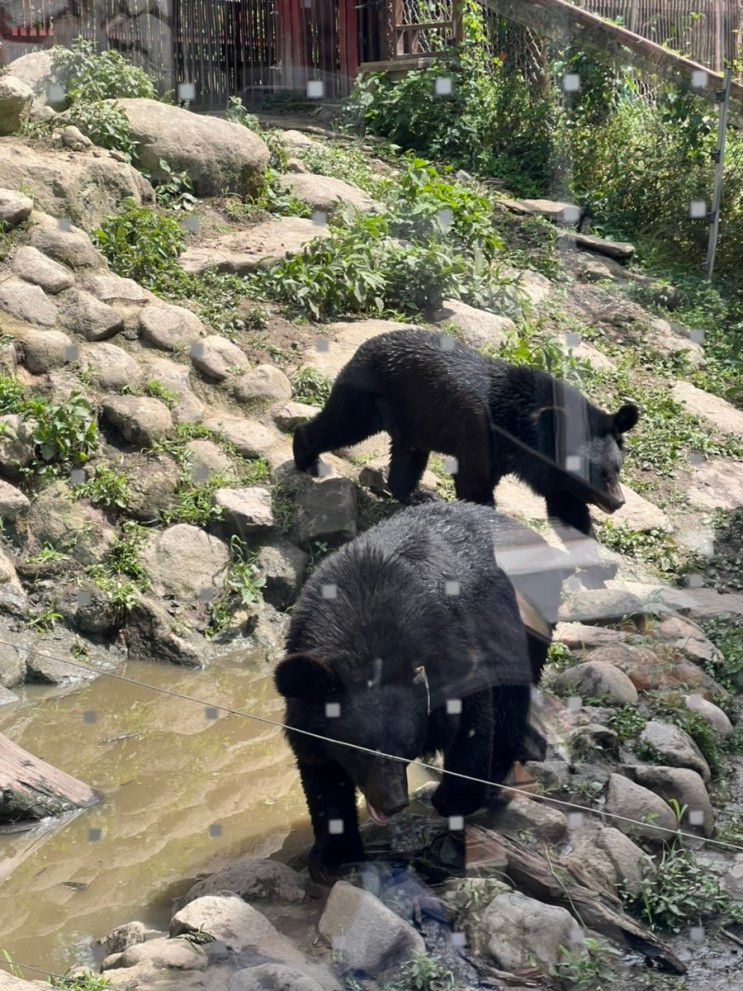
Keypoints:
pixel 309 386
pixel 105 487
pixel 105 124
pixel 422 973
pixel 142 244
pixel 242 586
pixel 175 190
pixel 90 75
pixel 66 433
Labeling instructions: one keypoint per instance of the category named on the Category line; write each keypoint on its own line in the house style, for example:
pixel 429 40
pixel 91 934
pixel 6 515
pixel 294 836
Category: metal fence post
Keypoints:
pixel 718 156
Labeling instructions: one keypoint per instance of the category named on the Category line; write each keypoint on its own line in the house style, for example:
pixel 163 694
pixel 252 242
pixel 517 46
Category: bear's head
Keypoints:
pixel 587 445
pixel 379 720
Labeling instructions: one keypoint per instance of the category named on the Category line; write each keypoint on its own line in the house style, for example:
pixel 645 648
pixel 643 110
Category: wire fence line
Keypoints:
pixel 278 724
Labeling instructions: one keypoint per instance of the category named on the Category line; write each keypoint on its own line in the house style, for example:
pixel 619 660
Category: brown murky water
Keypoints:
pixel 182 793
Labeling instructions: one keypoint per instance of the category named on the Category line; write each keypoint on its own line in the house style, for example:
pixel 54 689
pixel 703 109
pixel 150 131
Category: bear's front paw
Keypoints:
pixel 327 864
pixel 459 799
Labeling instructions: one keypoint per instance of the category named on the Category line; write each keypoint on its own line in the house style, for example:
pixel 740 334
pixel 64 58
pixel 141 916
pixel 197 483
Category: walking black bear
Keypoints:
pixel 406 641
pixel 432 393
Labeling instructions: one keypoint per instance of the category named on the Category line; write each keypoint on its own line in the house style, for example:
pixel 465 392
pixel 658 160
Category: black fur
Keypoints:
pixel 432 393
pixel 371 619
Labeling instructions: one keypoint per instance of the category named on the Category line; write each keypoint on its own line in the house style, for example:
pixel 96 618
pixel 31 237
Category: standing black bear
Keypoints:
pixel 406 641
pixel 432 393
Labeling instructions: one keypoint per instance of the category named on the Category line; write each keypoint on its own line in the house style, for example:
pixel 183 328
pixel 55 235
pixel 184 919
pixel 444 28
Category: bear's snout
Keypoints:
pixel 386 788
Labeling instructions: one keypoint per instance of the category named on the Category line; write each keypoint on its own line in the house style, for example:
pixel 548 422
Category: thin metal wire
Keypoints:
pixel 266 720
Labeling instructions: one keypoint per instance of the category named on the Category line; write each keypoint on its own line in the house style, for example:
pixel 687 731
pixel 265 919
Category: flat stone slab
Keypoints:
pixel 620 250
pixel 477 328
pixel 555 210
pixel 721 414
pixel 637 513
pixel 717 484
pixel 253 248
pixel 325 194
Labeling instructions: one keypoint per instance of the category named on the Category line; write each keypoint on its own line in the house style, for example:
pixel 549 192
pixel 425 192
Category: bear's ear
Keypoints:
pixel 301 675
pixel 626 417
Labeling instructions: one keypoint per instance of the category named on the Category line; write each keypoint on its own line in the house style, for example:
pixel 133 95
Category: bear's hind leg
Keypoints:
pixel 406 470
pixel 473 482
pixel 510 716
pixel 348 417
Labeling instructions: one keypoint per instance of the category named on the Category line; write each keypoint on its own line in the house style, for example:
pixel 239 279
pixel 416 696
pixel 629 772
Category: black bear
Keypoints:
pixel 406 641
pixel 431 393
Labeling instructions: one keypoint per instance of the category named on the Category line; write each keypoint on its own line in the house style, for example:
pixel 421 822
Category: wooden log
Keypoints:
pixel 32 789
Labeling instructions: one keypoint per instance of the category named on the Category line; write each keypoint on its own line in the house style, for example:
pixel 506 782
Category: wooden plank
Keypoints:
pixel 32 789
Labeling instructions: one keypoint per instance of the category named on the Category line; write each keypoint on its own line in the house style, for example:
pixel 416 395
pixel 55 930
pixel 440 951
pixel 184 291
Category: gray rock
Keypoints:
pixel 254 881
pixel 597 605
pixel 257 246
pixel 594 736
pixel 557 211
pixel 12 660
pixel 205 458
pixel 637 513
pixel 92 612
pixel 13 598
pixel 139 420
pixel 14 208
pixel 368 935
pixel 716 484
pixel 26 302
pixel 654 818
pixel 218 155
pixel 184 561
pixel 115 290
pixel 10 983
pixel 688 638
pixel 263 382
pixel 288 416
pixel 246 510
pixel 15 103
pixel 162 954
pixel 525 815
pixel 66 244
pixel 150 632
pixel 326 511
pixel 722 415
pixel 122 937
pixel 620 250
pixel 170 328
pixel 16 443
pixel 6 697
pixel 111 368
pixel 36 71
pixel 675 746
pixel 283 565
pixel 86 186
pixel 12 501
pixel 153 482
pixel 49 669
pixel 516 932
pixel 672 338
pixel 477 328
pixel 599 680
pixel 74 139
pixel 608 857
pixel 326 194
pixel 249 438
pixel 710 712
pixel 578 635
pixel 187 408
pixel 70 526
pixel 683 785
pixel 44 350
pixel 217 358
pixel 33 266
pixel 272 977
pixel 82 313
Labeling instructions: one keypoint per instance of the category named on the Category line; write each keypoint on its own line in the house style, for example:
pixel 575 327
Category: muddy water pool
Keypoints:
pixel 183 792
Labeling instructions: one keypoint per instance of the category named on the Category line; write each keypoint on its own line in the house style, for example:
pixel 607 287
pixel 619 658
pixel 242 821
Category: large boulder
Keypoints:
pixel 326 194
pixel 110 367
pixel 13 597
pixel 598 680
pixel 367 935
pixel 254 880
pixel 684 786
pixel 675 746
pixel 30 264
pixel 26 302
pixel 219 156
pixel 16 444
pixel 14 208
pixel 82 313
pixel 86 186
pixel 639 813
pixel 64 243
pixel 35 70
pixel 139 420
pixel 15 103
pixel 184 561
pixel 56 518
pixel 475 327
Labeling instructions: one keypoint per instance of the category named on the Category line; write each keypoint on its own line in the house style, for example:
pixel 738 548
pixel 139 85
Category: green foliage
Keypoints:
pixel 309 386
pixel 654 546
pixel 105 124
pixel 42 620
pixel 559 656
pixel 273 196
pixel 47 555
pixel 242 587
pixel 680 893
pixel 531 345
pixel 588 972
pixel 195 500
pixel 105 487
pixel 87 982
pixel 92 76
pixel 422 973
pixel 626 722
pixel 345 163
pixel 122 576
pixel 157 390
pixel 175 190
pixel 727 635
pixel 648 753
pixel 141 244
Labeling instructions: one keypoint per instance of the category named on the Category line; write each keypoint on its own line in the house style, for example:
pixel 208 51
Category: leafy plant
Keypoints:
pixel 175 190
pixel 626 722
pixel 309 386
pixel 142 244
pixel 727 635
pixel 90 75
pixel 242 586
pixel 104 123
pixel 47 555
pixel 681 892
pixel 105 487
pixel 42 620
pixel 654 546
pixel 159 391
pixel 65 433
pixel 86 982
pixel 590 970
pixel 422 973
